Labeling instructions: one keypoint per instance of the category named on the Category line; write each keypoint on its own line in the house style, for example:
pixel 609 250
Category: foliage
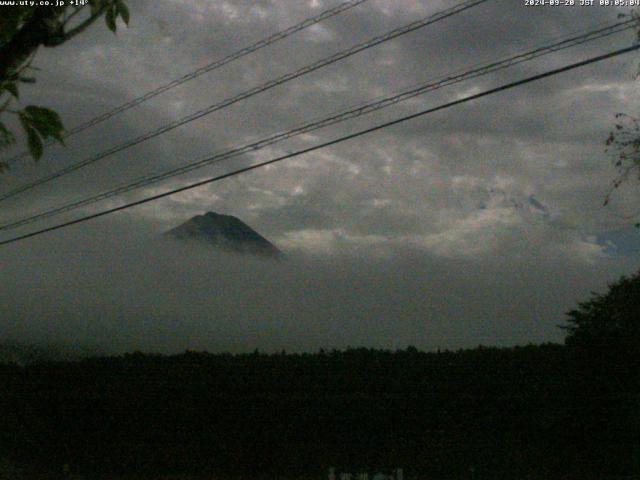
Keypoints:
pixel 623 142
pixel 23 30
pixel 604 336
pixel 39 123
pixel 610 321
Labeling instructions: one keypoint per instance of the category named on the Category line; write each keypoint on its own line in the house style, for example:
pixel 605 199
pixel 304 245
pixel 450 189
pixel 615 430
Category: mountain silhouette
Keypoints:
pixel 224 232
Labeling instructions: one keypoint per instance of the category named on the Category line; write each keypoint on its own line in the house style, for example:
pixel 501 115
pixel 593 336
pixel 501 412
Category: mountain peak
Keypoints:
pixel 225 232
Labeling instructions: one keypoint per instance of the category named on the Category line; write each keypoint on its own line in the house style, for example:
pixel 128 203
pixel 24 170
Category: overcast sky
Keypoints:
pixel 481 223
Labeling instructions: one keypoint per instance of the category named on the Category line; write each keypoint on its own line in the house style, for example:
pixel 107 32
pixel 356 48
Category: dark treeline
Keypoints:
pixel 542 411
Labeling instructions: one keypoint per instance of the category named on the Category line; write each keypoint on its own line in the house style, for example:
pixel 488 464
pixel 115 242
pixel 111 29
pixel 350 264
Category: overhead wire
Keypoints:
pixel 431 19
pixel 344 138
pixel 309 22
pixel 331 120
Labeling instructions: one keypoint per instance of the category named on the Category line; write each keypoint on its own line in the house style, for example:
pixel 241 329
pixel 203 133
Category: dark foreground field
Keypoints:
pixel 531 412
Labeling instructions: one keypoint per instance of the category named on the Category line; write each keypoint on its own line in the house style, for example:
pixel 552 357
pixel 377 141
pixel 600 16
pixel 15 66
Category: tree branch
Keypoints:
pixel 78 29
pixel 26 41
pixel 75 12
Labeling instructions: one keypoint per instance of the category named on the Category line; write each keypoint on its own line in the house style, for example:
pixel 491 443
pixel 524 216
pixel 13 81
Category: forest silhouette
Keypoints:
pixel 538 411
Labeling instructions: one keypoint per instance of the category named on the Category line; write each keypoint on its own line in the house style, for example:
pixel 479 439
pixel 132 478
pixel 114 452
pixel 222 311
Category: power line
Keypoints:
pixel 331 120
pixel 331 142
pixel 251 92
pixel 332 12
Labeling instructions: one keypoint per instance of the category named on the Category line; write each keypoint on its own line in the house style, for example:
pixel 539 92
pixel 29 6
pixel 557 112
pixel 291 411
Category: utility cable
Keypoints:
pixel 332 12
pixel 331 120
pixel 249 93
pixel 381 126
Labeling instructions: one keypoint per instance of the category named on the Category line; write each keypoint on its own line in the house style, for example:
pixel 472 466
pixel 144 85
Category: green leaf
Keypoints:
pixel 38 123
pixel 27 79
pixel 24 120
pixel 42 114
pixel 34 142
pixel 110 18
pixel 123 10
pixel 45 121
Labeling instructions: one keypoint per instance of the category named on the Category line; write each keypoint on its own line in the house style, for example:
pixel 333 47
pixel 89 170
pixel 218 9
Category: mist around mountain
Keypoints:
pixel 622 241
pixel 226 233
pixel 528 206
